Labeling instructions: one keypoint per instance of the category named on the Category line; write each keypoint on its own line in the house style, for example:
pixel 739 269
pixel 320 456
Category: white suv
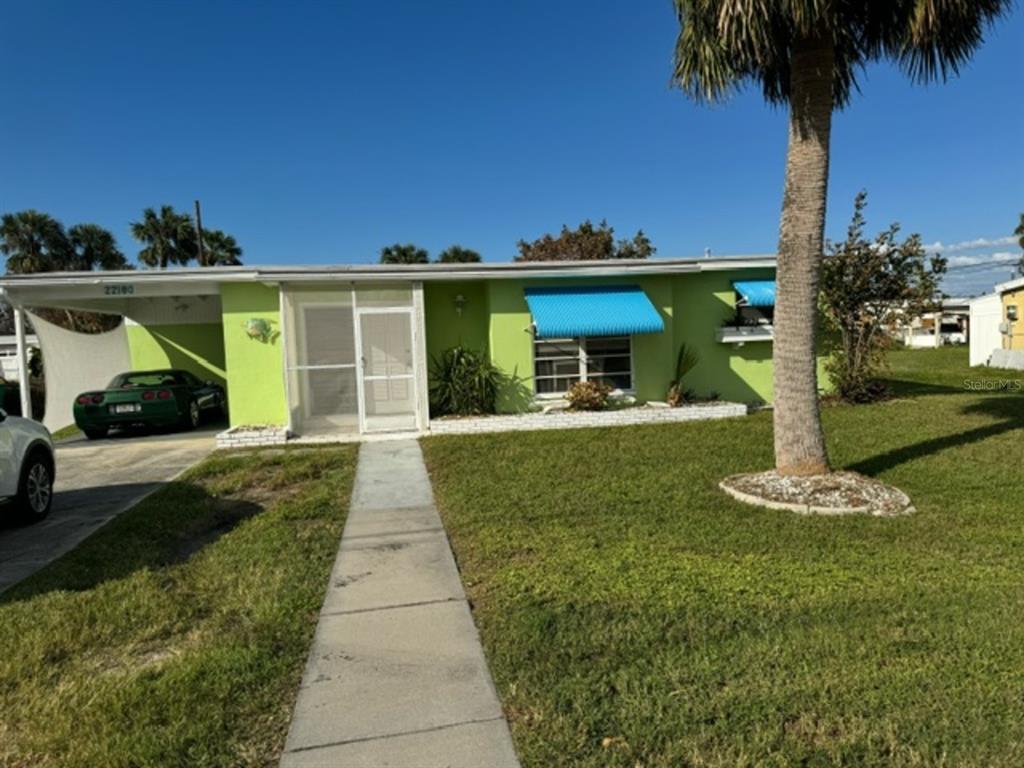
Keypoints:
pixel 26 466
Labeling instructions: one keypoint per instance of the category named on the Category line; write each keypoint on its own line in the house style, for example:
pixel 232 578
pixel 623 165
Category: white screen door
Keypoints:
pixel 387 370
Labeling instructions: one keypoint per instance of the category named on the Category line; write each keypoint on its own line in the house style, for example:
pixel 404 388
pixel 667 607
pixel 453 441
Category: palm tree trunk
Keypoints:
pixel 799 440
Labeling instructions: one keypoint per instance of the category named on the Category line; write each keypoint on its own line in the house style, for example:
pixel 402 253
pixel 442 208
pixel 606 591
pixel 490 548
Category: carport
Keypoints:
pixel 170 321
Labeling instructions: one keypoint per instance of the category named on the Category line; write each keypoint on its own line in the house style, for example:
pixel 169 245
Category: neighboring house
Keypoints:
pixel 348 348
pixel 951 325
pixel 9 357
pixel 997 327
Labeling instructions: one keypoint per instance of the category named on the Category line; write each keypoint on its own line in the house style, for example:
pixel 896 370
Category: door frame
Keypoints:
pixel 412 376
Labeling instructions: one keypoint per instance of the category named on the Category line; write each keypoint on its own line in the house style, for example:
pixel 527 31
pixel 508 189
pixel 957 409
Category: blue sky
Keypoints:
pixel 317 132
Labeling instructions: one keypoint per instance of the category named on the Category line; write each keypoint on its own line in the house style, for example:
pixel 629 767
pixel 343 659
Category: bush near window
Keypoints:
pixel 465 383
pixel 588 396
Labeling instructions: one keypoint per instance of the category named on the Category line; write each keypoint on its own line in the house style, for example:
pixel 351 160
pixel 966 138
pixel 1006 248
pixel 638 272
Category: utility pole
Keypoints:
pixel 199 236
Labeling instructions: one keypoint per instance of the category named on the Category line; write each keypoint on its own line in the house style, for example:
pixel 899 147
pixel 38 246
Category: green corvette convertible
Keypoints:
pixel 170 398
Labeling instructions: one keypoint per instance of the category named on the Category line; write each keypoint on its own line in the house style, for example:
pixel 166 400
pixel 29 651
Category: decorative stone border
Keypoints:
pixel 890 502
pixel 528 422
pixel 246 436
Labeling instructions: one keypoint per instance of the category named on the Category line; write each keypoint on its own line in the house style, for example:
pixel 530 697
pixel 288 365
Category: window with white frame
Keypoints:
pixel 560 363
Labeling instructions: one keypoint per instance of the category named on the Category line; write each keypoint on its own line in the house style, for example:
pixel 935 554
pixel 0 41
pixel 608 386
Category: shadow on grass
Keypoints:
pixel 164 530
pixel 905 388
pixel 1008 408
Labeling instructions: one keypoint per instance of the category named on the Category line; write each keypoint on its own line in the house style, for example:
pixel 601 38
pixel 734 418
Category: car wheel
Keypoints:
pixel 95 433
pixel 35 491
pixel 194 414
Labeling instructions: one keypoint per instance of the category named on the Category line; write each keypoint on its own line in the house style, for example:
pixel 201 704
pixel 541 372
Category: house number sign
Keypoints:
pixel 119 290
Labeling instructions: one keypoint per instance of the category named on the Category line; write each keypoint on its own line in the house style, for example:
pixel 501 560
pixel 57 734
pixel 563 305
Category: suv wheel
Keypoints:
pixel 35 491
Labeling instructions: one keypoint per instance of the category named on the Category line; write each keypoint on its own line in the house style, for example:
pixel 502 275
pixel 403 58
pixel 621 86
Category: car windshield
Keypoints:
pixel 151 379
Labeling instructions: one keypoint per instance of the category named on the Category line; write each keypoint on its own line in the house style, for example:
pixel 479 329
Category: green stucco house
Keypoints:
pixel 348 349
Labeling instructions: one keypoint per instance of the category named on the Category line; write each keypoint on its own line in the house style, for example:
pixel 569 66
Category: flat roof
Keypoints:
pixel 390 272
pixel 1010 285
pixel 116 292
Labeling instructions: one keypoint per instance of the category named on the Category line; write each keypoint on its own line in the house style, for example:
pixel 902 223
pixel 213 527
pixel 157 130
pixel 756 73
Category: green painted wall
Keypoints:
pixel 255 370
pixel 198 348
pixel 703 302
pixel 693 306
pixel 511 343
pixel 445 328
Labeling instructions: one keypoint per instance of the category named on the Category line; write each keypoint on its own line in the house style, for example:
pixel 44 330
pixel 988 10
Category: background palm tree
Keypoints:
pixel 37 242
pixel 220 250
pixel 403 254
pixel 456 254
pixel 806 54
pixel 169 237
pixel 33 242
pixel 93 247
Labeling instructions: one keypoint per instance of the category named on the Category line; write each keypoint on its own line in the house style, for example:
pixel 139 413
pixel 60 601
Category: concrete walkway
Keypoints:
pixel 396 675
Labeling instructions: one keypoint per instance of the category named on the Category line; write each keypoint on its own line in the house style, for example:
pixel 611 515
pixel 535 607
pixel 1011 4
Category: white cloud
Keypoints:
pixel 970 245
pixel 983 258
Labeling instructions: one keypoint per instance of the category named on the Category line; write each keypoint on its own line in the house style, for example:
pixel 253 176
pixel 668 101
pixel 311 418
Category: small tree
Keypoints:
pixel 456 254
pixel 867 287
pixel 404 254
pixel 585 243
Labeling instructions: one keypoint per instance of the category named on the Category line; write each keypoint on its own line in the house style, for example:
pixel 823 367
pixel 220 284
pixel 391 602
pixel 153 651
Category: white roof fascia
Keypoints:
pixel 167 282
pixel 1010 285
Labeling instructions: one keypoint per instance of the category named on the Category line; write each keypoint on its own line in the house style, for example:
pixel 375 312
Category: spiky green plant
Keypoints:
pixel 686 361
pixel 464 383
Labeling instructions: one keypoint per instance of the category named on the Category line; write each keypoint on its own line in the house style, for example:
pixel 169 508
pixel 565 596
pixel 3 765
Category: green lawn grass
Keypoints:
pixel 177 635
pixel 633 615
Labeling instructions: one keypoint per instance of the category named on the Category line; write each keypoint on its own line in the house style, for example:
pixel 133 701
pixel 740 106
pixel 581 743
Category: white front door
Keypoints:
pixel 387 370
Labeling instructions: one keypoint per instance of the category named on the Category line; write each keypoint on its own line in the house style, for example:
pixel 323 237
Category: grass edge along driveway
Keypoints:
pixel 177 634
pixel 633 615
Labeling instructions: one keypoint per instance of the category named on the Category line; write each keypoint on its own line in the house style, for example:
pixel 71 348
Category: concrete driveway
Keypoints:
pixel 96 481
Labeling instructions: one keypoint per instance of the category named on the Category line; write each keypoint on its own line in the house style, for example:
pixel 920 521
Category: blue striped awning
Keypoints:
pixel 607 310
pixel 756 293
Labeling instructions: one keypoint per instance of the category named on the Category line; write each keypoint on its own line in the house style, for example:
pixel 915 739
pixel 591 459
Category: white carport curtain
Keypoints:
pixel 76 362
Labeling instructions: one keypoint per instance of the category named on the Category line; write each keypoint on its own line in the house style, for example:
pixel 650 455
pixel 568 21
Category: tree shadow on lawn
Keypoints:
pixel 1008 408
pixel 164 530
pixel 906 388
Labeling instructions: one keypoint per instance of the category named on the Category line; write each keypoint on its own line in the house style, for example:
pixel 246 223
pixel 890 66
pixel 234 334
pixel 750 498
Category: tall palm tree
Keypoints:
pixel 220 250
pixel 806 54
pixel 33 242
pixel 169 237
pixel 93 247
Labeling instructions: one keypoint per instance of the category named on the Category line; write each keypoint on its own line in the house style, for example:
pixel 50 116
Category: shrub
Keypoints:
pixel 465 383
pixel 588 396
pixel 867 288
